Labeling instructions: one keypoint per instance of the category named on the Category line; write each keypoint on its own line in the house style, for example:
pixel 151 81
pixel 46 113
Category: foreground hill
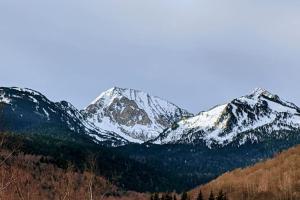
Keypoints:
pixel 276 179
pixel 35 177
pixel 120 170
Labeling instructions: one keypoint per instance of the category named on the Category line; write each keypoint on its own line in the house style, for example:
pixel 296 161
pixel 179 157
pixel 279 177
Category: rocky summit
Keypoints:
pixel 132 114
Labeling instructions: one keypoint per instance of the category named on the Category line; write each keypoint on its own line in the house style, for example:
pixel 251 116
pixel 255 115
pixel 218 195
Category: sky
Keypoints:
pixel 194 53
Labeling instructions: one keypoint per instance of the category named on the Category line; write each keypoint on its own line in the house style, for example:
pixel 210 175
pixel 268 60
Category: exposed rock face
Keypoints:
pixel 134 115
pixel 126 112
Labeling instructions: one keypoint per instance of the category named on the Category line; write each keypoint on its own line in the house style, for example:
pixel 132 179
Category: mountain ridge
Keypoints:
pixel 24 109
pixel 222 123
pixel 132 116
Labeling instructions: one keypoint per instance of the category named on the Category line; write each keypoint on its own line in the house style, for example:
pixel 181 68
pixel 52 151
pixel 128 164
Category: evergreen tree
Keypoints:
pixel 211 196
pixel 156 196
pixel 184 196
pixel 225 197
pixel 221 196
pixel 152 197
pixel 200 196
pixel 168 196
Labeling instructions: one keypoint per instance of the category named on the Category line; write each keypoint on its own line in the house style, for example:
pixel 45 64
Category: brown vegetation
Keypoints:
pixel 32 177
pixel 274 179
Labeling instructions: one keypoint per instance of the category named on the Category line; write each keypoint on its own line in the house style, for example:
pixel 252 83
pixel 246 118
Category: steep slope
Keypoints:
pixel 276 179
pixel 132 114
pixel 25 109
pixel 255 118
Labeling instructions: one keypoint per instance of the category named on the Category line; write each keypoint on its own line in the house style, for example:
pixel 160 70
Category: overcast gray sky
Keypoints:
pixel 195 53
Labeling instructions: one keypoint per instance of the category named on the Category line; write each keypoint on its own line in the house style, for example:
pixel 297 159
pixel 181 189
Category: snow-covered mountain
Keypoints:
pixel 132 114
pixel 255 117
pixel 120 116
pixel 25 109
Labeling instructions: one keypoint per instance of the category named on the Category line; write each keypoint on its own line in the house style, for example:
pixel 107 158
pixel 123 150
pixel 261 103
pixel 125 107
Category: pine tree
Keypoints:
pixel 184 196
pixel 221 196
pixel 225 197
pixel 211 196
pixel 152 197
pixel 156 196
pixel 200 196
pixel 168 196
pixel 174 197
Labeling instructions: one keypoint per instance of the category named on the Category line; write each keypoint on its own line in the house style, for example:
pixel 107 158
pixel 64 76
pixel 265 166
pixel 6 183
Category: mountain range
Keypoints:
pixel 190 148
pixel 120 116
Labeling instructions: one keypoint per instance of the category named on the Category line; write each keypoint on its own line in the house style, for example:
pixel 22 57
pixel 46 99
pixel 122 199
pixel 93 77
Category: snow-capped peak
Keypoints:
pixel 132 94
pixel 108 93
pixel 261 91
pixel 261 110
pixel 133 114
pixel 260 94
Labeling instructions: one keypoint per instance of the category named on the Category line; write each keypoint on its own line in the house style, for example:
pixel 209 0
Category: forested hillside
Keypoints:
pixel 276 179
pixel 65 152
pixel 34 177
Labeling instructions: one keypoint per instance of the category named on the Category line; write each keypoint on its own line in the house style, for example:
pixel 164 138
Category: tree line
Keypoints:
pixel 169 196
